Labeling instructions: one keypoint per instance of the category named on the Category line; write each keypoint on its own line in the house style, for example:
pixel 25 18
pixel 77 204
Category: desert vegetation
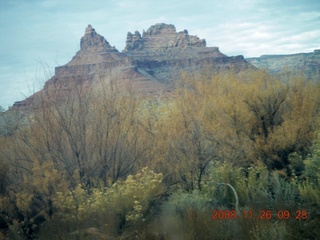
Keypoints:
pixel 230 156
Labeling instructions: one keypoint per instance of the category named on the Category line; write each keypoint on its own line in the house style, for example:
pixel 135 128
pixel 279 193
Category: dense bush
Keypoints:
pixel 85 169
pixel 189 215
pixel 116 210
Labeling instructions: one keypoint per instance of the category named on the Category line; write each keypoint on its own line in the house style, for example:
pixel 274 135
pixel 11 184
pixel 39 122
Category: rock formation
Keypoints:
pixel 306 64
pixel 161 37
pixel 93 41
pixel 151 62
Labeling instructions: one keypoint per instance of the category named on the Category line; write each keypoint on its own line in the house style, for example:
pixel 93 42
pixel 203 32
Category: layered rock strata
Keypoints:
pixel 151 62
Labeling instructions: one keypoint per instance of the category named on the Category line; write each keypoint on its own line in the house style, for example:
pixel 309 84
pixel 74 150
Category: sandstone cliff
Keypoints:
pixel 151 62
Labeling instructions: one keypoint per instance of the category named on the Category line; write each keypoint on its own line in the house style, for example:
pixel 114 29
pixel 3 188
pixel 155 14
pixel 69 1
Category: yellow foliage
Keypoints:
pixel 229 128
pixel 252 116
pixel 130 196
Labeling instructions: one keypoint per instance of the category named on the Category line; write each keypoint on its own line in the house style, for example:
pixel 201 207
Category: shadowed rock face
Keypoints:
pixel 150 62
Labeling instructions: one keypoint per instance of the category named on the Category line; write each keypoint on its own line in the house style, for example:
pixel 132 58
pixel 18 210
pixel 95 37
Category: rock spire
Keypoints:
pixel 93 41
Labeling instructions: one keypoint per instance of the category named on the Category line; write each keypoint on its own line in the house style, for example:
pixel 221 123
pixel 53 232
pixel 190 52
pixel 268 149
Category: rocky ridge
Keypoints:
pixel 151 62
pixel 161 36
pixel 306 64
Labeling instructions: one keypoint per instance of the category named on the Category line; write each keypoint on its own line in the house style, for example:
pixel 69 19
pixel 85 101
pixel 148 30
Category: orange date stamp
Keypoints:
pixel 262 214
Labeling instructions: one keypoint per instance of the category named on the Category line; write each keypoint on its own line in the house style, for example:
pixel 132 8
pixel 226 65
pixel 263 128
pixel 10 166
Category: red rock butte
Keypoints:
pixel 151 61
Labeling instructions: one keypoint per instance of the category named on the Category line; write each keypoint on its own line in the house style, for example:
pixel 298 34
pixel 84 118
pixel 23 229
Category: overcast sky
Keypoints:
pixel 38 35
